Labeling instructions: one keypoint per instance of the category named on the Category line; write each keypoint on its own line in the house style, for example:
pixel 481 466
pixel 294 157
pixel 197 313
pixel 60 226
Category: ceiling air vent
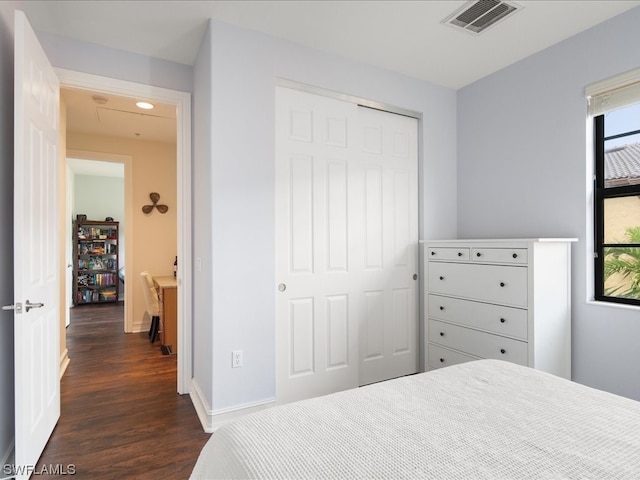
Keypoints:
pixel 477 16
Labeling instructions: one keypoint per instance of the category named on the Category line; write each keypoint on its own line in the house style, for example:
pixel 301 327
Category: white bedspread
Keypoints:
pixel 480 420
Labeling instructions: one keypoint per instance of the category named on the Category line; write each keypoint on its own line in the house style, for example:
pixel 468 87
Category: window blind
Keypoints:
pixel 612 93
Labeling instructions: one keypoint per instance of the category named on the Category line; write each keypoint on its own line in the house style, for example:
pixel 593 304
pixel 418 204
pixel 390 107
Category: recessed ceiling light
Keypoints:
pixel 144 105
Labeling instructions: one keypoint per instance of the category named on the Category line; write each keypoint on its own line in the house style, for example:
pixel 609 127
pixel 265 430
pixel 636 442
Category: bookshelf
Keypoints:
pixel 95 262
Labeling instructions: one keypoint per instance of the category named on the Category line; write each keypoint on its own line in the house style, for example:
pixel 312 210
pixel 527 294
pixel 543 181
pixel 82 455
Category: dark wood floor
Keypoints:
pixel 120 415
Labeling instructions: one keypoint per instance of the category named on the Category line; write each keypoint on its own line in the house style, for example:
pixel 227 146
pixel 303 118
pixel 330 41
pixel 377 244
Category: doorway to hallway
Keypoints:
pixel 181 101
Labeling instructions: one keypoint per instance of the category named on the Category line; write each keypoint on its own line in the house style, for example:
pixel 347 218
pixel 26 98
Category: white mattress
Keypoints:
pixel 480 420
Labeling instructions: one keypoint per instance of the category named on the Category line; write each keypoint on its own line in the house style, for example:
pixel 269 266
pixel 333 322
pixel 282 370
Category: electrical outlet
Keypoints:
pixel 236 358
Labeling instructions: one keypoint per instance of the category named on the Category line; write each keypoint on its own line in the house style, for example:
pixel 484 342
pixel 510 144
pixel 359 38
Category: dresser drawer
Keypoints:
pixel 447 253
pixel 517 256
pixel 508 321
pixel 440 357
pixel 506 285
pixel 480 344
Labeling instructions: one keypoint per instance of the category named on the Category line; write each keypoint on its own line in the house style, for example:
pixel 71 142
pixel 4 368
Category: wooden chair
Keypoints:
pixel 152 304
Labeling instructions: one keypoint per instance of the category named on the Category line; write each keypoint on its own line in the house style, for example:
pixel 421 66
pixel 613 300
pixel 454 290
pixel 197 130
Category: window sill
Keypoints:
pixel 624 306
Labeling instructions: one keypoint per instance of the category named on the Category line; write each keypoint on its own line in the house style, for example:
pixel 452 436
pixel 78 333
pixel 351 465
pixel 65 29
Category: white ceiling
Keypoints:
pixel 118 117
pixel 403 36
pixel 80 166
pixel 407 37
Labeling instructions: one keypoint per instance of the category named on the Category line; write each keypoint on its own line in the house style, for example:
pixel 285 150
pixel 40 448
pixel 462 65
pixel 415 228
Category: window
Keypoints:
pixel 617 195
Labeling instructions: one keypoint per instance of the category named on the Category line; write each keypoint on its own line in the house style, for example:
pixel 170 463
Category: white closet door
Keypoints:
pixel 317 308
pixel 346 245
pixel 388 160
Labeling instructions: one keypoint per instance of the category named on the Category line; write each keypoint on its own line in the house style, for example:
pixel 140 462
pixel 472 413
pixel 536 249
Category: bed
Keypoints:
pixel 486 419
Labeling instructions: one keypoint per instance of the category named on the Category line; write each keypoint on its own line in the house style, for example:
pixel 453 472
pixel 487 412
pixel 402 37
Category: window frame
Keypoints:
pixel 600 195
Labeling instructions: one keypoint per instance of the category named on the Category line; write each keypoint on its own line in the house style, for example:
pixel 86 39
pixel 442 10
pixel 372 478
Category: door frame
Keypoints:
pixel 127 165
pixel 363 102
pixel 182 102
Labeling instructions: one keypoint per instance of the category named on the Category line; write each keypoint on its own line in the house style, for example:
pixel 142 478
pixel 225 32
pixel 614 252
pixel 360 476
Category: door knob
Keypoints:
pixel 28 305
pixel 282 287
pixel 18 306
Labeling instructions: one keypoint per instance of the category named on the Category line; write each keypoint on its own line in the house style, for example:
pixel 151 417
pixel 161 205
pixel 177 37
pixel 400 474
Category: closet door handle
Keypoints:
pixel 502 284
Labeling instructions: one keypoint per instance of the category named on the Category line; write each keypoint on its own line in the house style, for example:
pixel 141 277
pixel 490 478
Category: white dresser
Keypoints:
pixel 503 299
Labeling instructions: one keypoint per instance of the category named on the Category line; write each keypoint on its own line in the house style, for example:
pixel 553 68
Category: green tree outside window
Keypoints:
pixel 623 264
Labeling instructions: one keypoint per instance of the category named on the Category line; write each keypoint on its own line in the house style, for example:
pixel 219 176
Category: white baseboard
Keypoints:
pixel 138 327
pixel 212 420
pixel 64 362
pixel 202 407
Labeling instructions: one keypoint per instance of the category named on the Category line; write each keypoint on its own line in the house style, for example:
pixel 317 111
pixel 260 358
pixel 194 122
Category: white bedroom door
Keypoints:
pixel 388 156
pixel 36 233
pixel 317 306
pixel 346 234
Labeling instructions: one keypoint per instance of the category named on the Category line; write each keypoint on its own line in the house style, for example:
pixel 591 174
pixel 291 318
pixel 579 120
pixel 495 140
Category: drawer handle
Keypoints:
pixel 478 254
pixel 441 307
pixel 503 351
pixel 432 252
pixel 441 278
pixel 442 360
pixel 442 334
pixel 515 255
pixel 459 254
pixel 502 284
pixel 502 320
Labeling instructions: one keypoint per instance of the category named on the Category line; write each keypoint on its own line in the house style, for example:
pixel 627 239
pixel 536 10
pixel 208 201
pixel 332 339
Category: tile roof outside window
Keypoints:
pixel 622 165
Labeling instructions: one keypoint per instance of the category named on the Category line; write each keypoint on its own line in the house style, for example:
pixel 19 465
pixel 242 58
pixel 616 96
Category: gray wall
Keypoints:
pixel 524 170
pixel 109 203
pixel 95 59
pixel 202 255
pixel 7 424
pixel 245 66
